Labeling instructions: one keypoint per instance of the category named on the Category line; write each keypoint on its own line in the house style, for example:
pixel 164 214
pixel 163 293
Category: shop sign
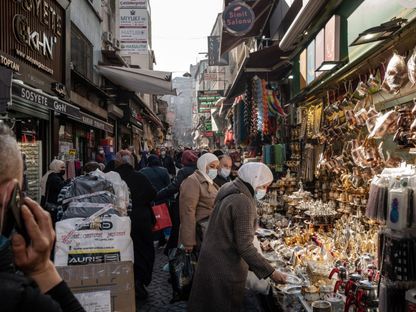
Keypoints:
pixel 133 4
pixel 36 38
pixel 43 99
pixel 134 32
pixel 214 58
pixel 96 123
pixel 207 99
pixel 9 63
pixel 238 18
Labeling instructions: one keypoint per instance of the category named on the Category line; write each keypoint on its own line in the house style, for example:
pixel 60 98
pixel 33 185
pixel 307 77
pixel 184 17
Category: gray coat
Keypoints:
pixel 228 252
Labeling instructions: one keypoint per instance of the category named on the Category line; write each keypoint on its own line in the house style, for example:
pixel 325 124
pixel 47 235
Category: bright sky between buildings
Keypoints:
pixel 179 31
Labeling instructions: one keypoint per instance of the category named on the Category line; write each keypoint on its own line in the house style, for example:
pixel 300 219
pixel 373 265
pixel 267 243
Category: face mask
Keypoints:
pixel 237 164
pixel 225 173
pixel 260 193
pixel 163 153
pixel 62 172
pixel 212 173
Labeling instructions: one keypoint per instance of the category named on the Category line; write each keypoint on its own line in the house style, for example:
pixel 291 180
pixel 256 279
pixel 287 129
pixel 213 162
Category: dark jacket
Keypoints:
pixel 54 184
pixel 220 180
pixel 174 186
pixel 168 163
pixel 158 176
pixel 18 293
pixel 142 221
pixel 228 252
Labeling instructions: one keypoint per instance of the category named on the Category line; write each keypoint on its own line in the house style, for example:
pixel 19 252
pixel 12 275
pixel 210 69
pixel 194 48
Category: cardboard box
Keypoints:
pixel 117 277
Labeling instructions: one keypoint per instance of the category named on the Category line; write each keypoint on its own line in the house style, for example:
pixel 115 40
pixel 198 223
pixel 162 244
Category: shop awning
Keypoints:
pixel 269 63
pixel 139 80
pixel 262 10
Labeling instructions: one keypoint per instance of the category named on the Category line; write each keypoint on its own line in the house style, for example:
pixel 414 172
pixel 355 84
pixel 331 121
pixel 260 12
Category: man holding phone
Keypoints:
pixel 41 288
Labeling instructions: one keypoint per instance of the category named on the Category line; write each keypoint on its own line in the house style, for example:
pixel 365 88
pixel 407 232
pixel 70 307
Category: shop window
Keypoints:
pixel 81 53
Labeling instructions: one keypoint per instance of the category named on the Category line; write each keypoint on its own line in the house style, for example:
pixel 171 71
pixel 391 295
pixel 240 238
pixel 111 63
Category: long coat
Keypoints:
pixel 196 202
pixel 142 220
pixel 228 253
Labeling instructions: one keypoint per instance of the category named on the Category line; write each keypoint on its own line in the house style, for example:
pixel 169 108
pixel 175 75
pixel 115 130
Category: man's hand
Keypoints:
pixel 188 249
pixel 279 277
pixel 33 259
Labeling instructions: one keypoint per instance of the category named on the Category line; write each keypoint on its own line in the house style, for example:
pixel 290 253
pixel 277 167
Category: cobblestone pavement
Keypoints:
pixel 160 292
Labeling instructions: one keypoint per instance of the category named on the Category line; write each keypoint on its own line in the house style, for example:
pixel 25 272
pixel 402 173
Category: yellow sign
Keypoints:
pixel 72 152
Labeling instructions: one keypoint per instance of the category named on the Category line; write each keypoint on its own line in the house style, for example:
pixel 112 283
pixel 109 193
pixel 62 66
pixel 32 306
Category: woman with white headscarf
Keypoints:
pixel 228 251
pixel 54 183
pixel 196 201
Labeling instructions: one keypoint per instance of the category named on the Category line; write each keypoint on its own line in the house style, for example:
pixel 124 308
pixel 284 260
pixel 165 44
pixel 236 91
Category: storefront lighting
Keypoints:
pixel 290 77
pixel 328 66
pixel 381 32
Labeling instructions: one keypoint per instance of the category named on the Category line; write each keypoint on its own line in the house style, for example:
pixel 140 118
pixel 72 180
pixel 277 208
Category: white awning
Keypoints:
pixel 139 80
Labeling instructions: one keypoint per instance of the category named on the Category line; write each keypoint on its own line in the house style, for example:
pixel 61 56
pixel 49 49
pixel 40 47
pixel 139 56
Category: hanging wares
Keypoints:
pixel 396 74
pixel 265 103
pixel 411 67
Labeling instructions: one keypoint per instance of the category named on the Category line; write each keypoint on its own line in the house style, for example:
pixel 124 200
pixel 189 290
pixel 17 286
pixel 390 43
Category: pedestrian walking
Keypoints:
pixel 196 201
pixel 159 177
pixel 227 251
pixel 167 162
pixel 188 160
pixel 142 220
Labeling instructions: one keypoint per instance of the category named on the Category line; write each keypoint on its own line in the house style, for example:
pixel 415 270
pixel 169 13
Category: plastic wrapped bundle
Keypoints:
pixel 121 190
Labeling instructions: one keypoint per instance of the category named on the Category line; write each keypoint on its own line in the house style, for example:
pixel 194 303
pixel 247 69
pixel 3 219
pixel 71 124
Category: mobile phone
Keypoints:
pixel 13 217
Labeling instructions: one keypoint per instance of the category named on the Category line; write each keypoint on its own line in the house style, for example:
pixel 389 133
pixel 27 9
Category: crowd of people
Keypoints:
pixel 211 200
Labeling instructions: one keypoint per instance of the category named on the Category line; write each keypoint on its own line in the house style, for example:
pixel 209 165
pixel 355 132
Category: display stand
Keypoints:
pixel 33 152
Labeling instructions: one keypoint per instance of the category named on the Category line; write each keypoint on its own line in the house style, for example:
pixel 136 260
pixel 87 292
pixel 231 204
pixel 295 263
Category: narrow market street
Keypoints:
pixel 268 145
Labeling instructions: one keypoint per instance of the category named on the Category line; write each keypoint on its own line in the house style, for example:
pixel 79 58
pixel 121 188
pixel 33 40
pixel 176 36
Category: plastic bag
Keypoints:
pixel 181 268
pixel 120 187
pixel 260 286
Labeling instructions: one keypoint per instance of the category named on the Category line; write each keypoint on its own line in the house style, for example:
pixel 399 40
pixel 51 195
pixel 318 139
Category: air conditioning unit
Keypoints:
pixel 116 44
pixel 108 37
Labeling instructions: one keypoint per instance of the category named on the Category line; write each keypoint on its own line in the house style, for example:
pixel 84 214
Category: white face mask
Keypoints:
pixel 260 193
pixel 212 173
pixel 225 173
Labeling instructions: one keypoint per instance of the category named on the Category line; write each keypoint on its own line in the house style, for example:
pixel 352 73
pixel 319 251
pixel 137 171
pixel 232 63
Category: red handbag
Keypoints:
pixel 162 216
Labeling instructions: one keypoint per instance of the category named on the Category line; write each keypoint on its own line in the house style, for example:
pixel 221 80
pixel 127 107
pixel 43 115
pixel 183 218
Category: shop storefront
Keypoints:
pixel 85 139
pixel 339 133
pixel 39 75
pixel 30 113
